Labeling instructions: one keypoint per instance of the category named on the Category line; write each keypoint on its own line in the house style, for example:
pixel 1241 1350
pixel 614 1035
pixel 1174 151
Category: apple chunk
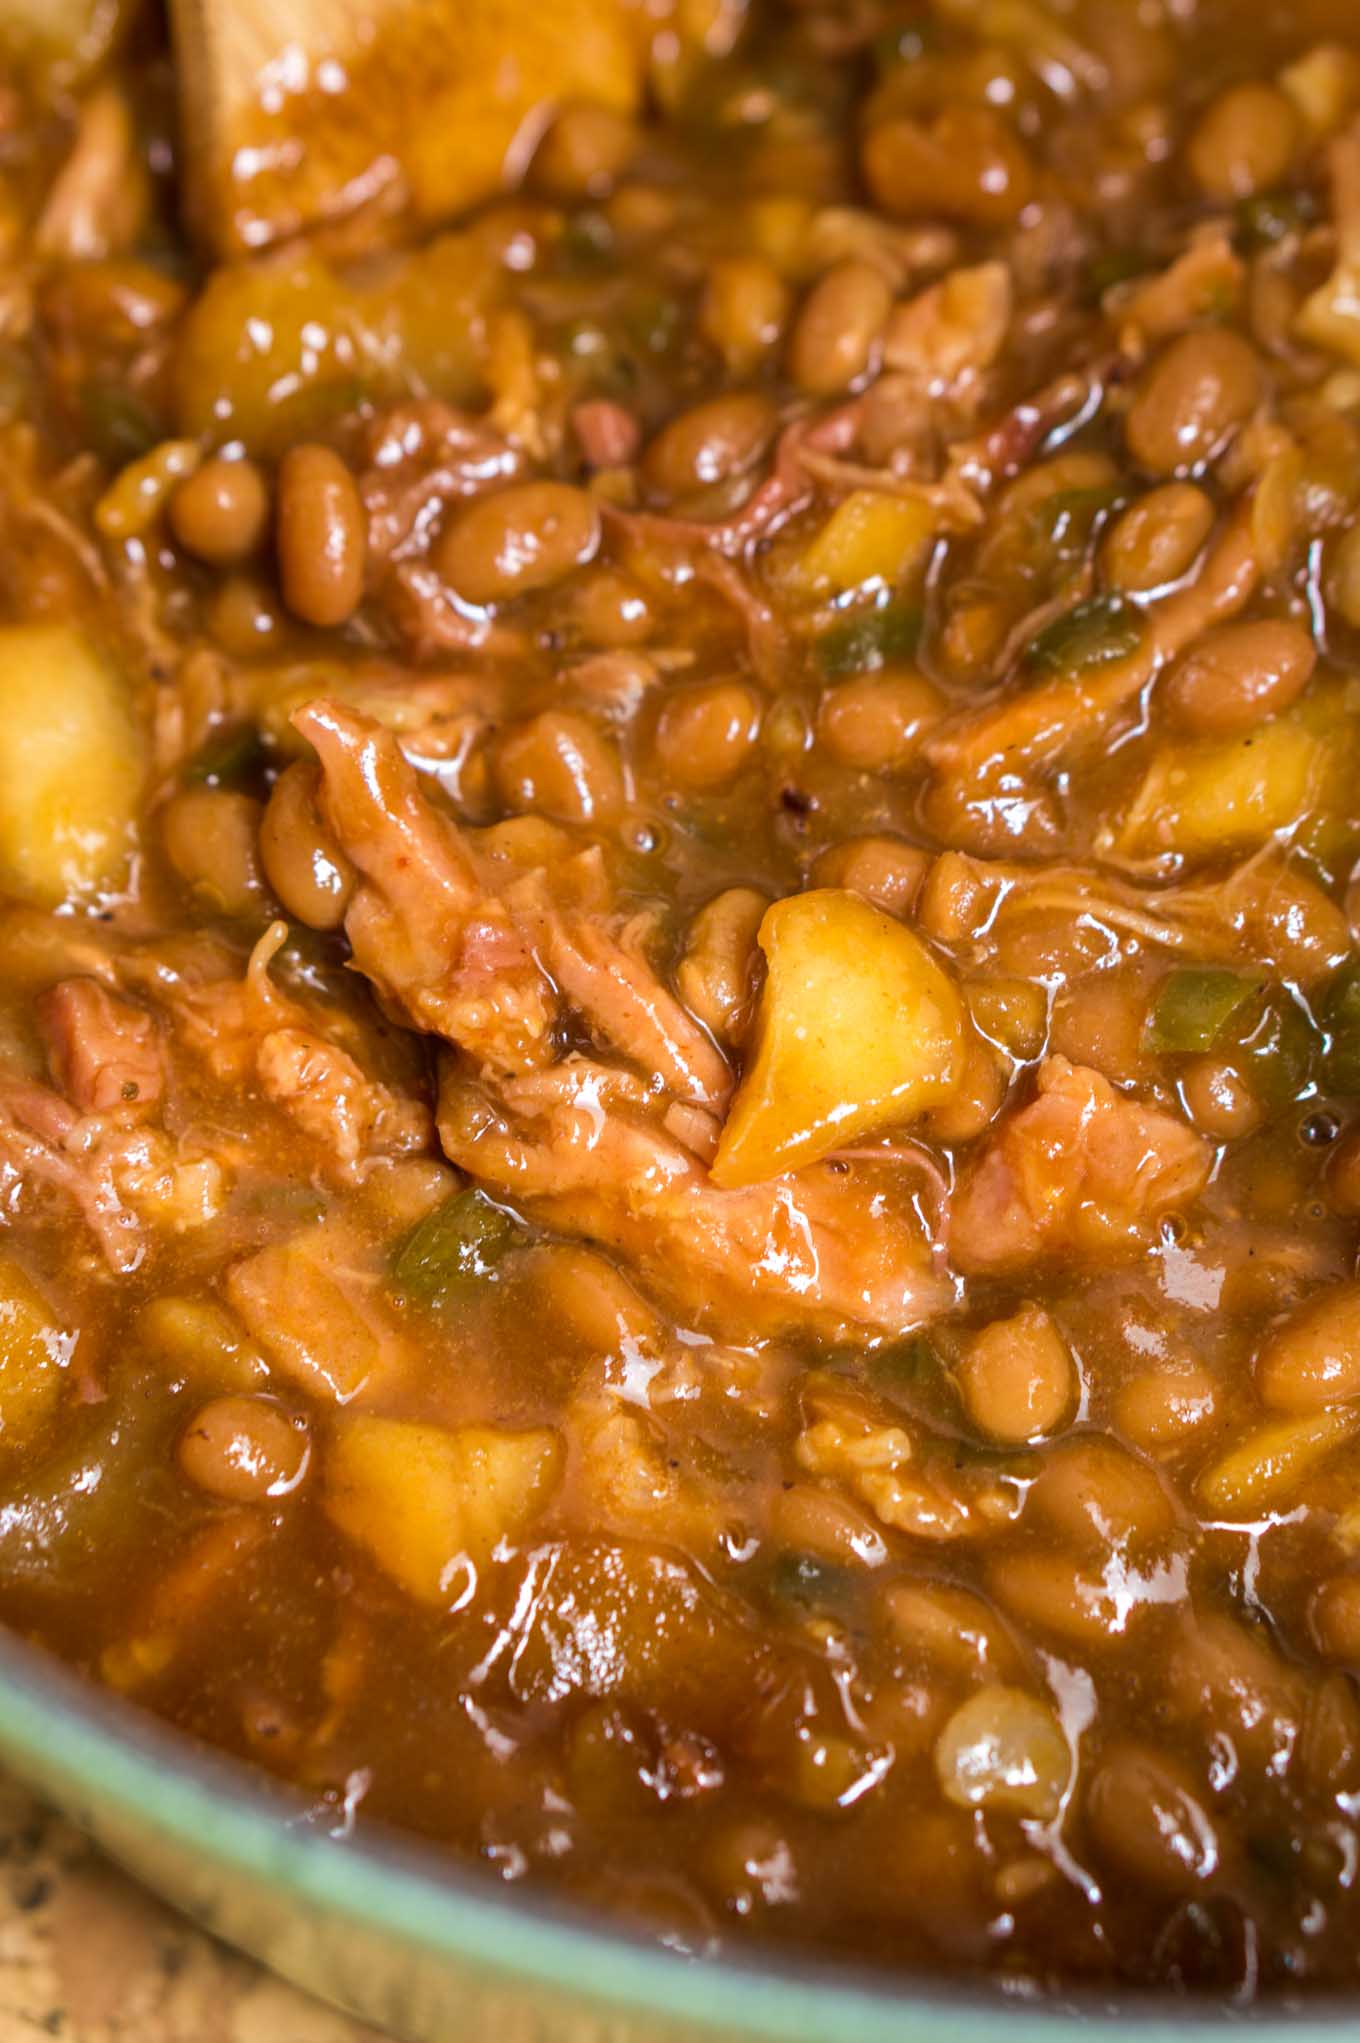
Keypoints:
pixel 858 1029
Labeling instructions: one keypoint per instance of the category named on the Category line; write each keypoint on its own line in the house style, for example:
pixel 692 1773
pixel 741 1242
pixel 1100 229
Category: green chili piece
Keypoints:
pixel 1340 1017
pixel 868 640
pixel 451 1250
pixel 1193 1007
pixel 119 424
pixel 812 1583
pixel 1276 1056
pixel 1069 514
pixel 231 754
pixel 1092 634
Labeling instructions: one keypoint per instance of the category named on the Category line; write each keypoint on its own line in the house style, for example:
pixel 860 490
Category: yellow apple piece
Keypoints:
pixel 425 1500
pixel 858 1029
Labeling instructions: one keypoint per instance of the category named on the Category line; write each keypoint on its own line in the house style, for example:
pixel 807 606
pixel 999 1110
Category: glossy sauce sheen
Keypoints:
pixel 679 1013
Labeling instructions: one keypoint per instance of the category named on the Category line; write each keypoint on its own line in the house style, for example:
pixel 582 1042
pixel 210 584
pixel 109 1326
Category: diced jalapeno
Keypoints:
pixel 230 755
pixel 863 643
pixel 450 1250
pixel 1194 1006
pixel 1340 1017
pixel 1089 635
pixel 1276 1057
pixel 812 1583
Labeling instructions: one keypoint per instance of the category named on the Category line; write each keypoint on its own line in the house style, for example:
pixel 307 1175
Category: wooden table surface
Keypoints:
pixel 87 1956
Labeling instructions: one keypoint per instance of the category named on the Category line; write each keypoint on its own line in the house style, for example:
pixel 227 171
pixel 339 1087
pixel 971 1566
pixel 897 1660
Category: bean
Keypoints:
pixel 711 443
pixel 705 733
pixel 967 165
pixel 210 837
pixel 743 311
pixel 302 859
pixel 1313 1360
pixel 885 870
pixel 1243 143
pixel 1160 1407
pixel 1055 1593
pixel 952 1627
pixel 611 609
pixel 583 152
pixel 1200 388
pixel 1157 540
pixel 220 513
pixel 1240 674
pixel 321 536
pixel 876 722
pixel 529 536
pixel 1342 581
pixel 1227 1678
pixel 718 972
pixel 839 328
pixel 244 615
pixel 1335 1618
pixel 1012 1012
pixel 1096 1495
pixel 1148 1823
pixel 1004 1750
pixel 244 1449
pixel 1017 1377
pixel 1273 1462
pixel 1219 1100
pixel 1098 1020
pixel 133 501
pixel 561 766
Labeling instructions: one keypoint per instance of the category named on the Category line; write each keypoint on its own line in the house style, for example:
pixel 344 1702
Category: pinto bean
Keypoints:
pixel 1335 1618
pixel 1017 1377
pixel 706 733
pixel 1244 142
pixel 839 328
pixel 303 862
pixel 1158 539
pixel 1240 674
pixel 744 310
pixel 211 837
pixel 710 443
pixel 1313 1360
pixel 1201 387
pixel 1150 1823
pixel 244 1449
pixel 876 722
pixel 885 870
pixel 529 536
pixel 220 512
pixel 559 765
pixel 968 164
pixel 1004 1750
pixel 321 536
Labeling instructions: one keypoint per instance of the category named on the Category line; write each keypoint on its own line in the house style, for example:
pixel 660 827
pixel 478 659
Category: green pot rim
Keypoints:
pixel 95 1750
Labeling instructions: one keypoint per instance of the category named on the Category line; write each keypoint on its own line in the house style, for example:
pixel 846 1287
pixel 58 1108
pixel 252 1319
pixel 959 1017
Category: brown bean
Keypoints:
pixel 1200 388
pixel 1219 1100
pixel 583 152
pixel 1096 1495
pixel 321 536
pixel 1004 1750
pixel 1240 674
pixel 220 513
pixel 1149 1823
pixel 529 536
pixel 611 609
pixel 302 859
pixel 717 975
pixel 1335 1618
pixel 706 732
pixel 977 1102
pixel 1158 539
pixel 885 870
pixel 1244 142
pixel 710 443
pixel 561 766
pixel 1313 1360
pixel 1017 1377
pixel 244 1449
pixel 211 837
pixel 1160 1407
pixel 1055 1592
pixel 967 165
pixel 876 722
pixel 743 311
pixel 839 328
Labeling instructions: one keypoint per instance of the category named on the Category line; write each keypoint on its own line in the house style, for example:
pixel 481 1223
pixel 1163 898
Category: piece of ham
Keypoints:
pixel 104 1051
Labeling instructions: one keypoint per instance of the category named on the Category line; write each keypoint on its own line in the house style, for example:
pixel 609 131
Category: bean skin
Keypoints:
pixel 529 536
pixel 321 536
pixel 1240 674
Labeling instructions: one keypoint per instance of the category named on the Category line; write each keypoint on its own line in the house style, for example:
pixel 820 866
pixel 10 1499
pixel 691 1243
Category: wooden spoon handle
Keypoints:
pixel 296 112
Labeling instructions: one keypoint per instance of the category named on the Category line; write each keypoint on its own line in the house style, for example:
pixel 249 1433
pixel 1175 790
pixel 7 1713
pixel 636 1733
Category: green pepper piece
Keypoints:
pixel 451 1250
pixel 1194 1005
pixel 119 424
pixel 1277 1054
pixel 1340 1017
pixel 812 1583
pixel 868 640
pixel 1091 634
pixel 1069 514
pixel 1269 217
pixel 913 1365
pixel 234 753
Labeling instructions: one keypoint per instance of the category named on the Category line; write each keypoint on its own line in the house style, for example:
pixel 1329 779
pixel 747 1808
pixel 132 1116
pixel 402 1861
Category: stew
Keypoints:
pixel 679 987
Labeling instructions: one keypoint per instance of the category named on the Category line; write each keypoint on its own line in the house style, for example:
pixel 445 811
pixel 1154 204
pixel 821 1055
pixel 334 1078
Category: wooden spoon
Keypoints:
pixel 299 112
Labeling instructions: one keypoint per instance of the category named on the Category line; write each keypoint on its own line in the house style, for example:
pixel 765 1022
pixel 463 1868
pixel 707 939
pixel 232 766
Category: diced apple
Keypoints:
pixel 71 766
pixel 424 1500
pixel 858 1029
